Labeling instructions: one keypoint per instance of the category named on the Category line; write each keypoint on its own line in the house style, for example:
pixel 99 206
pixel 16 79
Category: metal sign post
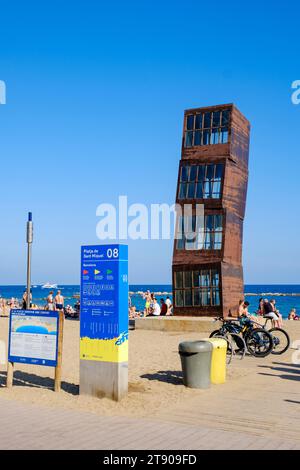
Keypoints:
pixel 29 244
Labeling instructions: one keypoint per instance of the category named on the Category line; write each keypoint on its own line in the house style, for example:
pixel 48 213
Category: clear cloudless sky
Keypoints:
pixel 95 98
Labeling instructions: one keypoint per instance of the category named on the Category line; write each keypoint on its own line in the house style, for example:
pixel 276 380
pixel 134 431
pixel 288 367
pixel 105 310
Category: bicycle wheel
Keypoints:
pixel 238 344
pixel 216 333
pixel 281 340
pixel 259 342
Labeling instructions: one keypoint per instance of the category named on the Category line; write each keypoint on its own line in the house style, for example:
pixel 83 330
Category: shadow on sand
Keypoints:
pixel 168 376
pixel 22 378
pixel 290 371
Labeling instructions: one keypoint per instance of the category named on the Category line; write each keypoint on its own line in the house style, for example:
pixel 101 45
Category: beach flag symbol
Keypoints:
pixel 85 271
pixel 108 271
pixel 96 271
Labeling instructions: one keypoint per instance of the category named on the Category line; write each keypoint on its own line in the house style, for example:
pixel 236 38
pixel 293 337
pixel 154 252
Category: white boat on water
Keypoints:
pixel 49 286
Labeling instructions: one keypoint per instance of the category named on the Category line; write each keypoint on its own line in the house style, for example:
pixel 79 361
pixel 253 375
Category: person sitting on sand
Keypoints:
pixel 293 315
pixel 269 309
pixel 243 309
pixel 154 311
pixel 261 307
pixel 276 311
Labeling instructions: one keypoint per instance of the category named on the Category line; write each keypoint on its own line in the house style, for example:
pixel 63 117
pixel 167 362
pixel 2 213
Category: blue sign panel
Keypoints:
pixel 33 337
pixel 104 303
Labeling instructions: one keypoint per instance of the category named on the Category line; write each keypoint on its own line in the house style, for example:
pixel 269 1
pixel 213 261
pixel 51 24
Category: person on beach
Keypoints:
pixel 243 309
pixel 147 298
pixel 50 301
pixel 156 308
pixel 261 307
pixel 169 305
pixel 3 306
pixel 59 301
pixel 276 311
pixel 293 315
pixel 163 307
pixel 270 310
pixel 24 300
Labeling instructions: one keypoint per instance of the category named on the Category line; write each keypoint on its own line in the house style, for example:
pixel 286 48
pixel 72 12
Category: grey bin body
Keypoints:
pixel 196 363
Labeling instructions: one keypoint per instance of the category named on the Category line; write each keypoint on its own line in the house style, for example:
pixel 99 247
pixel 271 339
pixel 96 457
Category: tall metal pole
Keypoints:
pixel 29 244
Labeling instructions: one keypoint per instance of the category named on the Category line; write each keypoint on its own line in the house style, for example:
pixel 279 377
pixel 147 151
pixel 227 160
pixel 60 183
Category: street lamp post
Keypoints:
pixel 29 244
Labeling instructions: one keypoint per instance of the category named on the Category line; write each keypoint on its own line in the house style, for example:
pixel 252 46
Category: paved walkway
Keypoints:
pixel 25 426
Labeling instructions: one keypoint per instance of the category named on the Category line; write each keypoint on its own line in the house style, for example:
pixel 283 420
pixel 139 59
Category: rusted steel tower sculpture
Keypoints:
pixel 213 171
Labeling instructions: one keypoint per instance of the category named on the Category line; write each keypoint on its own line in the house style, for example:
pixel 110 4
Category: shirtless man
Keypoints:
pixel 59 301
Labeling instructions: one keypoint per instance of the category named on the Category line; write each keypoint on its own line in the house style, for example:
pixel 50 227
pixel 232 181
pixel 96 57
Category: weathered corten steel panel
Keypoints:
pixel 228 260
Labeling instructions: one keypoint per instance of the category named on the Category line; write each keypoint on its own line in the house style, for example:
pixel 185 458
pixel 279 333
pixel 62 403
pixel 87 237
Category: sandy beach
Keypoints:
pixel 155 385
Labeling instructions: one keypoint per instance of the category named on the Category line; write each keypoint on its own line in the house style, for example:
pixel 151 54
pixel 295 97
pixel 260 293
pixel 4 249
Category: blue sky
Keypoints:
pixel 95 98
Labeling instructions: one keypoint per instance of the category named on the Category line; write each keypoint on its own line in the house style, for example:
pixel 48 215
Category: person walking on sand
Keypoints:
pixel 50 301
pixel 59 301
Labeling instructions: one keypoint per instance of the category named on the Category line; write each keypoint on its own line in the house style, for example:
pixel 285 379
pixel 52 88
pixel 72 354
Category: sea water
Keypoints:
pixel 286 296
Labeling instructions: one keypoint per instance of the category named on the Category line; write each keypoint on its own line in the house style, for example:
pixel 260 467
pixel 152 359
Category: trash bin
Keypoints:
pixel 218 360
pixel 196 363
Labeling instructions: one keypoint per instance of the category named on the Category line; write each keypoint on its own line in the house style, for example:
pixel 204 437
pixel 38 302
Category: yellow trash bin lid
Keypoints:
pixel 218 360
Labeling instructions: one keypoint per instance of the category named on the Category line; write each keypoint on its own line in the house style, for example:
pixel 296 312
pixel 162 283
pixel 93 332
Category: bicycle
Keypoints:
pixel 280 336
pixel 246 334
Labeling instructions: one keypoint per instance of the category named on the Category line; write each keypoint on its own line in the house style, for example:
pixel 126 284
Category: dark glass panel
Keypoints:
pixel 196 279
pixel 199 121
pixel 207 120
pixel 209 222
pixel 201 172
pixel 210 172
pixel 179 298
pixel 206 137
pixel 216 119
pixel 184 176
pixel 187 278
pixel 199 191
pixel 188 297
pixel 215 277
pixel 178 279
pixel 182 190
pixel 215 297
pixel 197 297
pixel 180 244
pixel 190 122
pixel 191 191
pixel 219 171
pixel 218 222
pixel 189 139
pixel 225 117
pixel 198 138
pixel 193 173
